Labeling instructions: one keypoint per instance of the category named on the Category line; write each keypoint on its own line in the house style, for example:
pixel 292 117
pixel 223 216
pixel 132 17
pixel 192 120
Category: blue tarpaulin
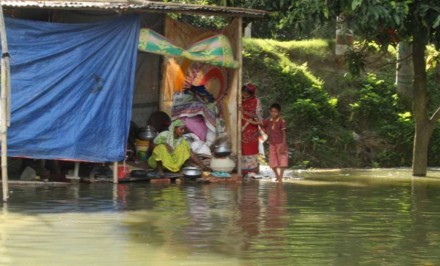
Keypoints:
pixel 71 88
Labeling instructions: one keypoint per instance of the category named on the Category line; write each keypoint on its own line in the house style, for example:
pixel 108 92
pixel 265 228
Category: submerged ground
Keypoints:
pixel 333 217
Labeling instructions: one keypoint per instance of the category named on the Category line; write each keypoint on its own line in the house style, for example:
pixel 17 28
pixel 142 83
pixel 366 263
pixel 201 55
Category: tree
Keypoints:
pixel 417 22
pixel 386 22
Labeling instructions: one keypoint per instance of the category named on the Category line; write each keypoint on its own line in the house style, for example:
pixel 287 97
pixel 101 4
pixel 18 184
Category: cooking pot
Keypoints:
pixel 146 133
pixel 225 164
pixel 192 172
pixel 222 150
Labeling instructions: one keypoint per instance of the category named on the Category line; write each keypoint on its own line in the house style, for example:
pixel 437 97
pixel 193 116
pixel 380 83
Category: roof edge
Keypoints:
pixel 140 6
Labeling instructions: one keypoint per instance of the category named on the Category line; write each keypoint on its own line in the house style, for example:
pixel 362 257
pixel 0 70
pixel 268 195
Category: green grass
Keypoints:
pixel 281 51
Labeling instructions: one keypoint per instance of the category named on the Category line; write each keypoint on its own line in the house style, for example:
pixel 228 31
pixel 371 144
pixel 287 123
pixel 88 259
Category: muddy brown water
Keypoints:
pixel 334 217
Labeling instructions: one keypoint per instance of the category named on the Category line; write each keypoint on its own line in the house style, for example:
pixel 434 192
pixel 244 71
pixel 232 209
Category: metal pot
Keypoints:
pixel 192 172
pixel 146 133
pixel 222 150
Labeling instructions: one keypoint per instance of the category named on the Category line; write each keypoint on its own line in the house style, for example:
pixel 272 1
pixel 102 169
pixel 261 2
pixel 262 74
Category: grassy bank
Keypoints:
pixel 334 120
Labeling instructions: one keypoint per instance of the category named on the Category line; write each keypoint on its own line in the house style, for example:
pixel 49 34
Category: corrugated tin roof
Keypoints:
pixel 141 6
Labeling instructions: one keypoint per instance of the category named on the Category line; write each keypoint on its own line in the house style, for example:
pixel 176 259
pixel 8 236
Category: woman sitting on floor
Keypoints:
pixel 172 150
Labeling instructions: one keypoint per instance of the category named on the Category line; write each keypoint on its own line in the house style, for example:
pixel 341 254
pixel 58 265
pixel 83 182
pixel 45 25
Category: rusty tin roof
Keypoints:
pixel 138 6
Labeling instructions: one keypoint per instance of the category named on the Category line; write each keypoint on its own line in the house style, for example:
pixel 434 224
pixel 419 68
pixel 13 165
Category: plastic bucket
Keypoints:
pixel 142 155
pixel 142 148
pixel 142 145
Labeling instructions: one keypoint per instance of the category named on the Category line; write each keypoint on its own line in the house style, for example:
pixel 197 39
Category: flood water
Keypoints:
pixel 349 217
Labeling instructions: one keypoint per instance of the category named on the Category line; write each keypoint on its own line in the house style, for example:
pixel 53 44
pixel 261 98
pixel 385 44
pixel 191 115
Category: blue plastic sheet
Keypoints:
pixel 72 87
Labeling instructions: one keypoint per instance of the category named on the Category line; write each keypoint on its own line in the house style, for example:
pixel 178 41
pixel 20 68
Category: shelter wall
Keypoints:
pixel 148 66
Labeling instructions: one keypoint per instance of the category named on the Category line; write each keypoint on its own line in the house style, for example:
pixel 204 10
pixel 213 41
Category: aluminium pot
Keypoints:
pixel 222 150
pixel 192 172
pixel 146 133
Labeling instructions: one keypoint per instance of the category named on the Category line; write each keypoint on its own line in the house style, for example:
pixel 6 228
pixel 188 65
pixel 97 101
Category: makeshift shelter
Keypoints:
pixel 156 78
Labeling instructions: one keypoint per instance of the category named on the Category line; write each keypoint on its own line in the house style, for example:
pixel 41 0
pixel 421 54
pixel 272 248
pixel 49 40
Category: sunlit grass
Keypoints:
pixel 318 48
pixel 282 51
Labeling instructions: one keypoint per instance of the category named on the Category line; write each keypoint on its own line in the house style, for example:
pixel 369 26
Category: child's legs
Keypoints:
pixel 282 172
pixel 273 156
pixel 279 172
pixel 274 160
pixel 283 160
pixel 275 170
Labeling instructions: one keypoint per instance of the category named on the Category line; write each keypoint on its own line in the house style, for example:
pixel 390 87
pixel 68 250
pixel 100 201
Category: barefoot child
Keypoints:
pixel 275 128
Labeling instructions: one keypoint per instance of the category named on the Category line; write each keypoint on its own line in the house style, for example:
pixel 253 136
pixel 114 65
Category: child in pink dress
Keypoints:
pixel 275 128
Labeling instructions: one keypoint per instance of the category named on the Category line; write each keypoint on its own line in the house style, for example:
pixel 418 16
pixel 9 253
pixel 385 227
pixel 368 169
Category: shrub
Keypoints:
pixel 311 113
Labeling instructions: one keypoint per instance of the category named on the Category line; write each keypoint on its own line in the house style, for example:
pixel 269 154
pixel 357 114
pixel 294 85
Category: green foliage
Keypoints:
pixel 355 62
pixel 314 124
pixel 376 102
pixel 377 109
pixel 399 134
pixel 433 74
pixel 385 126
pixel 204 22
pixel 321 126
pixel 385 21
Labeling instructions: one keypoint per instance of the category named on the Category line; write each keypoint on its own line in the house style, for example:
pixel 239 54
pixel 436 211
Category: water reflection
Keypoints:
pixel 249 209
pixel 276 215
pixel 4 259
pixel 339 219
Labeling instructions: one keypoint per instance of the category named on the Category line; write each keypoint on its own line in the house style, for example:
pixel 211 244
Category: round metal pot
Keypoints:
pixel 146 133
pixel 222 150
pixel 221 154
pixel 192 172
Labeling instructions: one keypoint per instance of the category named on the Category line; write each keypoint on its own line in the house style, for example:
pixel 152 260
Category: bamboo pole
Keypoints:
pixel 239 85
pixel 4 106
pixel 76 170
pixel 115 172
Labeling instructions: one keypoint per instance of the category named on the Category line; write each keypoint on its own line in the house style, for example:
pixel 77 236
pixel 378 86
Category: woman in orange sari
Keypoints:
pixel 251 118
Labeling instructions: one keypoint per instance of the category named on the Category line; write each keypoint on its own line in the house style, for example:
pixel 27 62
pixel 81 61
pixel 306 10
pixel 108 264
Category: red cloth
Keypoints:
pixel 252 89
pixel 249 139
pixel 277 159
pixel 274 130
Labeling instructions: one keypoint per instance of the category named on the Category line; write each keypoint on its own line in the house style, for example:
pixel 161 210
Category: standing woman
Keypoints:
pixel 251 118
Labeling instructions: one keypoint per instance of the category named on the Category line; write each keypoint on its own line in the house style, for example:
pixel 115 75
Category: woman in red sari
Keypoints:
pixel 251 118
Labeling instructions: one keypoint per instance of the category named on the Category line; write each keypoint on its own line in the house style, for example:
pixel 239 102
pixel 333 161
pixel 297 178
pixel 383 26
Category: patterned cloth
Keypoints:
pixel 215 50
pixel 153 42
pixel 251 110
pixel 171 161
pixel 250 164
pixel 186 105
pixel 249 139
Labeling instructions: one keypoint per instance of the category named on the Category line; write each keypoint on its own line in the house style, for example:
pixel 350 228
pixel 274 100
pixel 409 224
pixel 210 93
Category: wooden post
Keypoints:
pixel 76 171
pixel 4 106
pixel 239 85
pixel 115 172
